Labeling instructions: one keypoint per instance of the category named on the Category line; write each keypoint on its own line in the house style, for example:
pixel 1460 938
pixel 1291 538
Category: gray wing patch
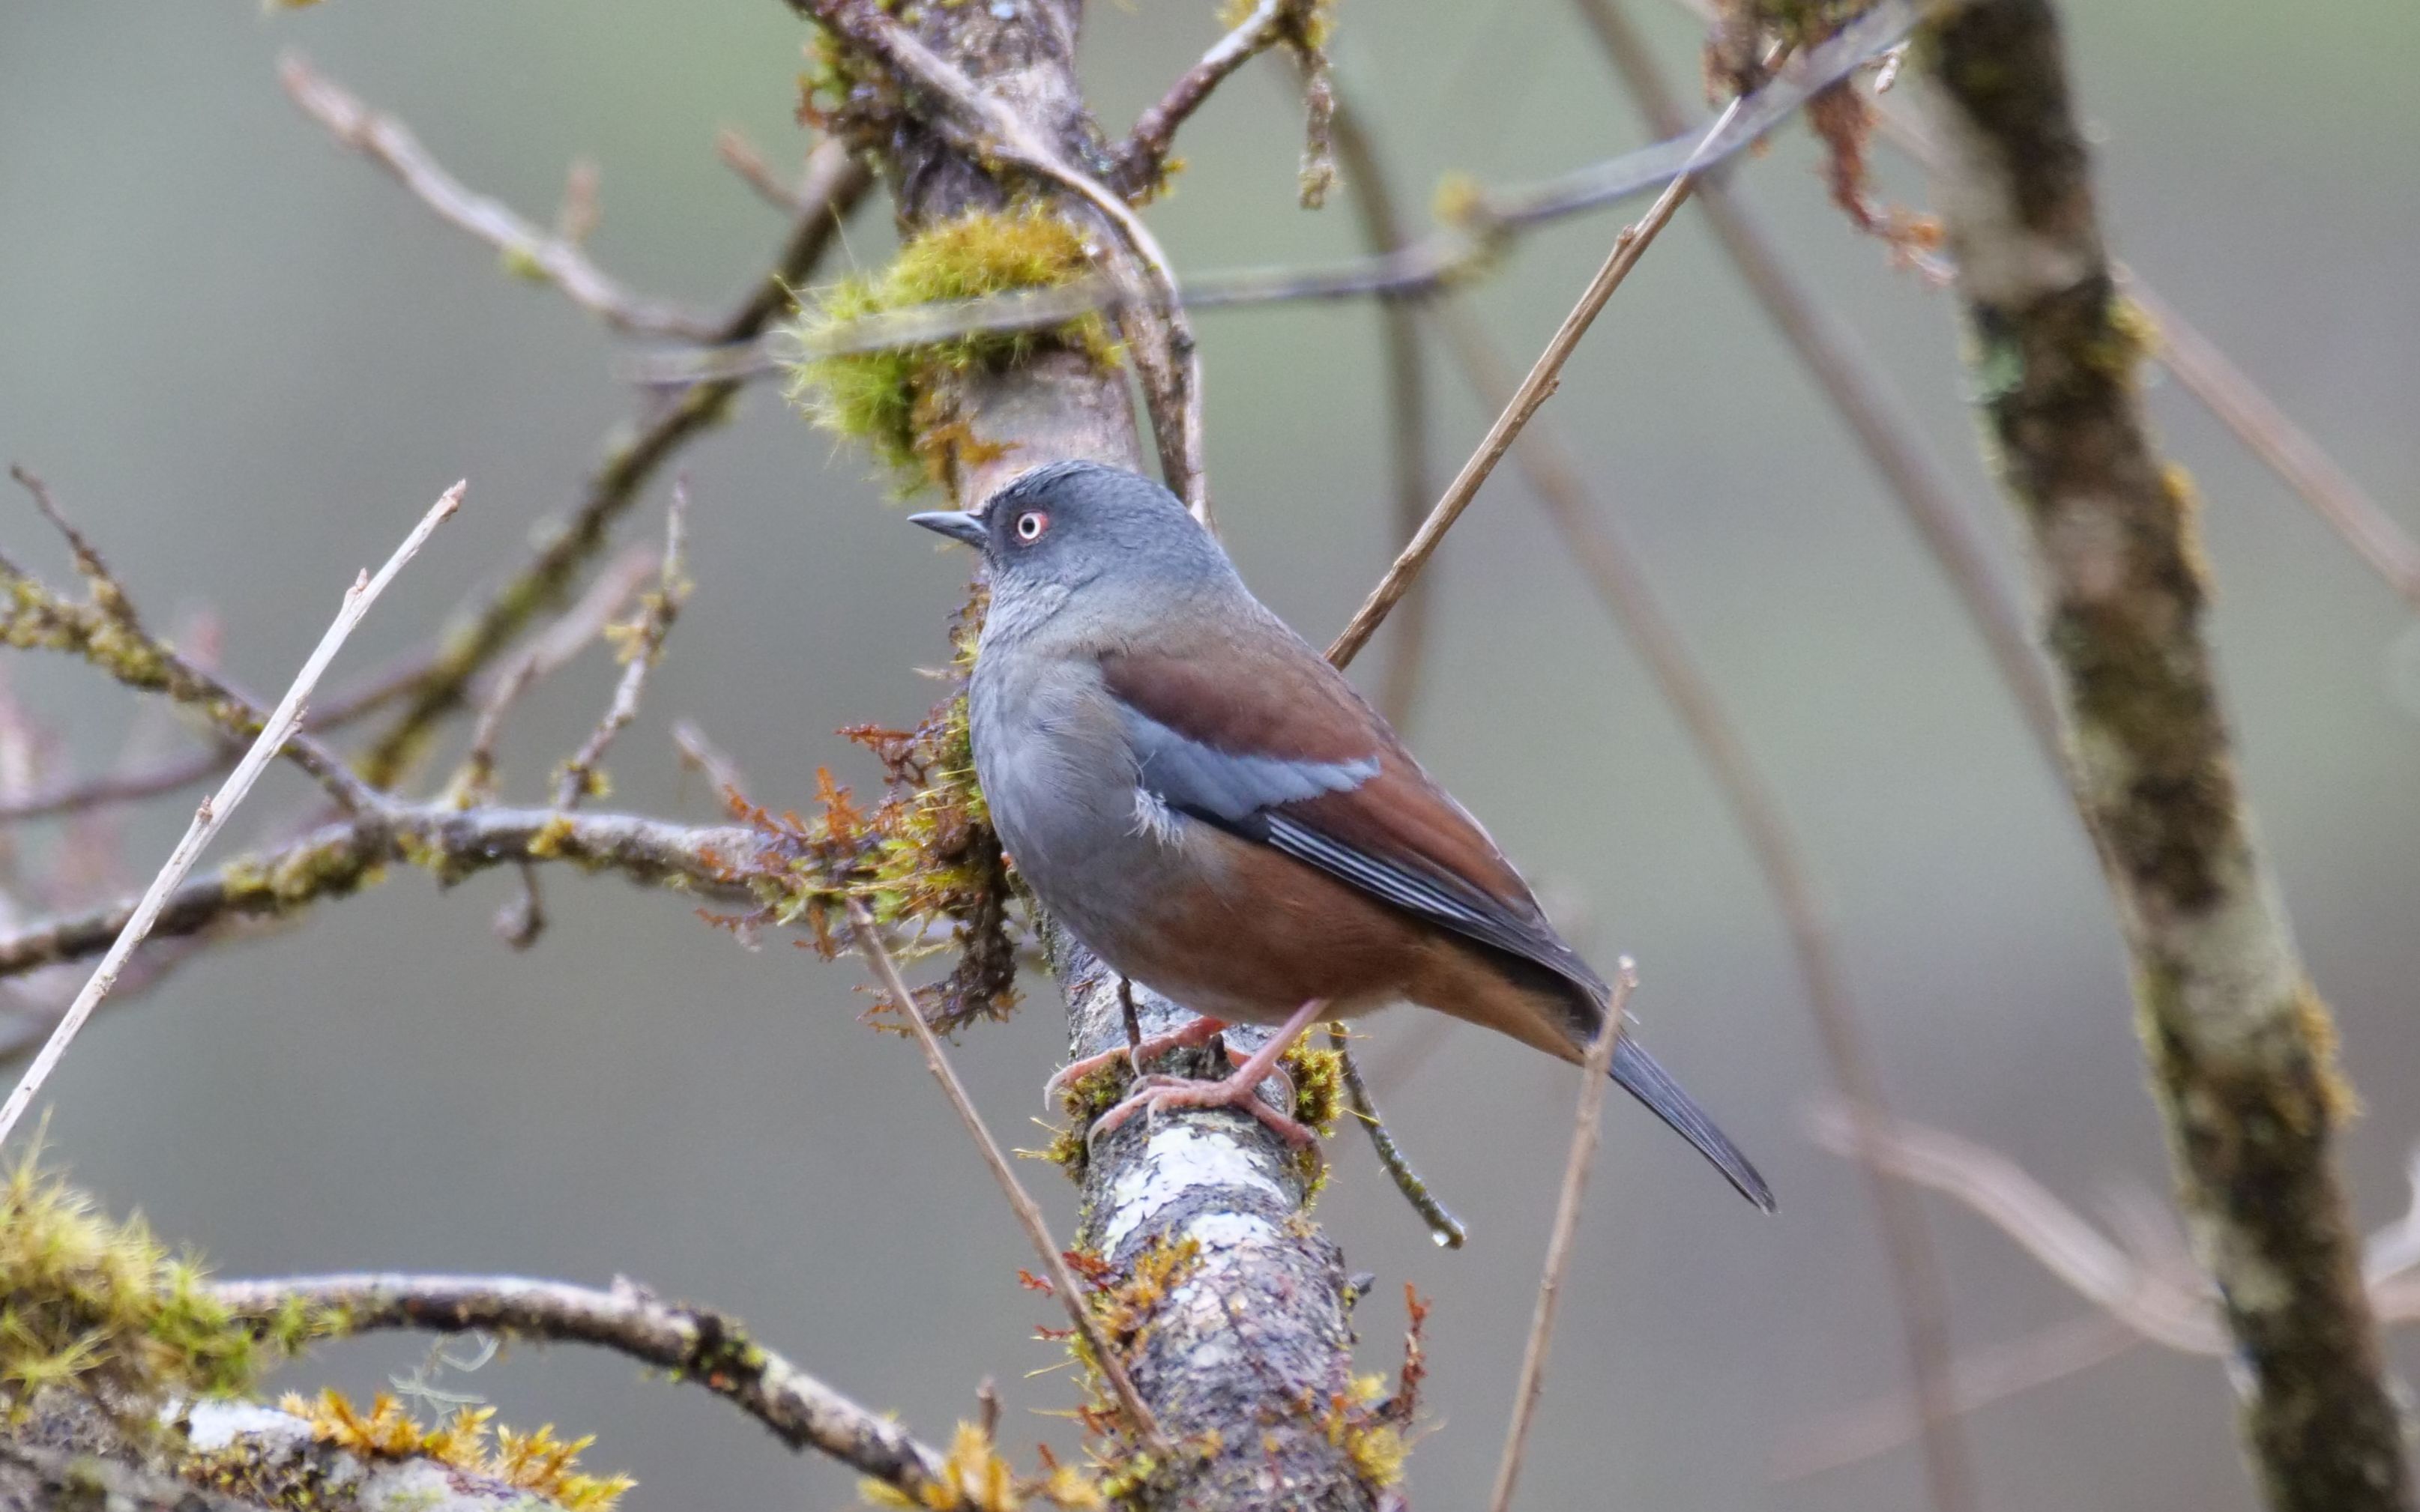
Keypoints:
pixel 1225 786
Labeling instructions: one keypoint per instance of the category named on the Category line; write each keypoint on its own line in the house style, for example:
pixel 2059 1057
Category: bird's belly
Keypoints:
pixel 1234 930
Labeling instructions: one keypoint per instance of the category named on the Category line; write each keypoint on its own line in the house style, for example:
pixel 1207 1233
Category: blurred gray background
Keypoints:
pixel 246 361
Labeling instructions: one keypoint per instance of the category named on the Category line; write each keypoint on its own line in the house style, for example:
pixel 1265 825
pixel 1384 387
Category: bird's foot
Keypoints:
pixel 1192 1035
pixel 1239 1091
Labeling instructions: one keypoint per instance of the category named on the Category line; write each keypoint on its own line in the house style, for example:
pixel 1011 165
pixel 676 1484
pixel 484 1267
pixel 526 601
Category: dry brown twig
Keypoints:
pixel 1585 1123
pixel 1544 376
pixel 1069 1290
pixel 280 727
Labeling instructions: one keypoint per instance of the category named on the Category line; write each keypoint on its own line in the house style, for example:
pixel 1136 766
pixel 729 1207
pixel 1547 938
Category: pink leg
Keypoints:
pixel 1239 1091
pixel 1192 1035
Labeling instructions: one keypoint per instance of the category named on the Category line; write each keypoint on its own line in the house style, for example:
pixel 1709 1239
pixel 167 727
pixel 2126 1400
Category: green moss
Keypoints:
pixel 102 1308
pixel 1084 1100
pixel 898 400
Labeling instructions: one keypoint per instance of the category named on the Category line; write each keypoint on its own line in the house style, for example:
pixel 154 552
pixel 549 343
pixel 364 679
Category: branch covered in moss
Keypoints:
pixel 730 862
pixel 693 1343
pixel 2242 1049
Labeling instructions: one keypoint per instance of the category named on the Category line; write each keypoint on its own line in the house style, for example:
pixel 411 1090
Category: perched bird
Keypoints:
pixel 1211 808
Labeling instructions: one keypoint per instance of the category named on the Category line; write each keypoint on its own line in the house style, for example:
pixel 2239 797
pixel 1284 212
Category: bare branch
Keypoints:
pixel 1070 1293
pixel 835 182
pixel 280 726
pixel 740 156
pixel 689 1343
pixel 545 655
pixel 1859 389
pixel 528 252
pixel 1585 1120
pixel 1989 1374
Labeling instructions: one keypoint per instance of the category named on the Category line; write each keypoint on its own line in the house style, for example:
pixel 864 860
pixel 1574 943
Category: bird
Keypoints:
pixel 1210 807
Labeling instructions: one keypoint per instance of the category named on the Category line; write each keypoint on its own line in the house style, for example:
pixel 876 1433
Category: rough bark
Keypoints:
pixel 2238 1043
pixel 237 1457
pixel 1248 1350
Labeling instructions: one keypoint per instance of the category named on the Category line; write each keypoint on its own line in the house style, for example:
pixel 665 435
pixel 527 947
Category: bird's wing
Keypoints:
pixel 1292 757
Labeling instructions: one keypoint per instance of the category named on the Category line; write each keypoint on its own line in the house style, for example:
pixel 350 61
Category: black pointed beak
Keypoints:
pixel 956 524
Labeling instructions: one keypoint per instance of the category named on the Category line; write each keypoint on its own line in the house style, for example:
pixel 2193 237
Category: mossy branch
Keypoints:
pixel 692 1343
pixel 2241 1050
pixel 736 863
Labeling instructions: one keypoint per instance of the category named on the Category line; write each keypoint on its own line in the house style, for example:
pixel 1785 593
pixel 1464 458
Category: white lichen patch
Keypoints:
pixel 1178 1160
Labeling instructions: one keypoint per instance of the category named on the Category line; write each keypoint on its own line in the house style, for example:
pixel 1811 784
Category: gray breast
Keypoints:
pixel 1060 774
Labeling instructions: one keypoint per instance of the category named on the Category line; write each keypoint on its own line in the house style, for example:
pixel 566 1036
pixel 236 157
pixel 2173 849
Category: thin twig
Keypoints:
pixel 701 754
pixel 580 777
pixel 1029 1214
pixel 1543 376
pixel 1444 1227
pixel 544 656
pixel 550 258
pixel 740 156
pixel 688 1342
pixel 1558 1241
pixel 279 727
pixel 2271 436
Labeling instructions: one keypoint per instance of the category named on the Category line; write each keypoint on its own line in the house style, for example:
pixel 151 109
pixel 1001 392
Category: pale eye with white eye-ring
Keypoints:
pixel 1031 525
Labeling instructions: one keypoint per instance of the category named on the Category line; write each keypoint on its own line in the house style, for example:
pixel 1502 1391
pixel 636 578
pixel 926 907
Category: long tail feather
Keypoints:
pixel 1637 1074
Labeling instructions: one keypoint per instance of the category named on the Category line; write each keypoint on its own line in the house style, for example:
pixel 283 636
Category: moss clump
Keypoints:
pixel 1084 1100
pixel 897 400
pixel 103 1308
pixel 539 1463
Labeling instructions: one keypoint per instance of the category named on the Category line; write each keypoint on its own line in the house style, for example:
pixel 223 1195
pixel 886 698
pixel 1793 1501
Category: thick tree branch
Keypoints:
pixel 2240 1044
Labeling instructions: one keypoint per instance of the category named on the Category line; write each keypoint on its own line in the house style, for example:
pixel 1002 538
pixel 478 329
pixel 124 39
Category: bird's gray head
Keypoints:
pixel 1070 527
